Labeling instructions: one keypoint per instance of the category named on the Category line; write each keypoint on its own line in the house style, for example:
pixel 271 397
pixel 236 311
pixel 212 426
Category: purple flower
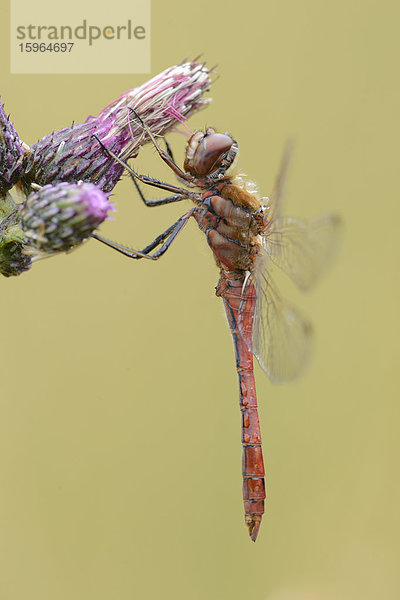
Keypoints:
pixel 10 154
pixel 58 217
pixel 162 102
pixel 73 154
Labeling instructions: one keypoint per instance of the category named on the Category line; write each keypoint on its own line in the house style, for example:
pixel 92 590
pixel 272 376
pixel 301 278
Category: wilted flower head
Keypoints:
pixel 74 154
pixel 163 101
pixel 58 217
pixel 10 153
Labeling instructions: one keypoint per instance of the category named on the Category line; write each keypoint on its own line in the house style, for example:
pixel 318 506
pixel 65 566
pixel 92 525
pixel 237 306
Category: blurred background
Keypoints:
pixel 120 456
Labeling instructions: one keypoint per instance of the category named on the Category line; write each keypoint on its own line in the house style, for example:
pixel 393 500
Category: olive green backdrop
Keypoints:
pixel 119 431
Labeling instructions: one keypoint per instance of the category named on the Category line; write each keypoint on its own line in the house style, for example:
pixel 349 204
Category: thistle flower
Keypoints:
pixel 164 100
pixel 10 153
pixel 73 153
pixel 58 217
pixel 63 212
pixel 13 260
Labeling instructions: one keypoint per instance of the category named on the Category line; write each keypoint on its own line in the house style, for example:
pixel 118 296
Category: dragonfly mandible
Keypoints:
pixel 246 235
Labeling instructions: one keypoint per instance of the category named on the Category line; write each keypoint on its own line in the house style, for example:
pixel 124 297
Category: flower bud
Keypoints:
pixel 58 217
pixel 13 260
pixel 10 154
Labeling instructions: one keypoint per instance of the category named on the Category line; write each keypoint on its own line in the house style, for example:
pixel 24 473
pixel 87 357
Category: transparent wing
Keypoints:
pixel 274 202
pixel 303 248
pixel 282 336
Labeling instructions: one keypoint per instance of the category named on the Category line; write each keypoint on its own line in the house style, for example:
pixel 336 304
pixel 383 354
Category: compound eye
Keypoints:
pixel 211 148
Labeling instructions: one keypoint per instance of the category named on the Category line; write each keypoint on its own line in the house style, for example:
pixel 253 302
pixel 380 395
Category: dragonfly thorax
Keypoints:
pixel 209 154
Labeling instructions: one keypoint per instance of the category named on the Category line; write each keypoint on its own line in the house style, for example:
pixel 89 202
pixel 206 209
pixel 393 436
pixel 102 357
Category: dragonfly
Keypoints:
pixel 247 235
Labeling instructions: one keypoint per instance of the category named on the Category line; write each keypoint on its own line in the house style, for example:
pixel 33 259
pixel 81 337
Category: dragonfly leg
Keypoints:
pixel 149 180
pixel 166 156
pixel 158 202
pixel 169 149
pixel 165 239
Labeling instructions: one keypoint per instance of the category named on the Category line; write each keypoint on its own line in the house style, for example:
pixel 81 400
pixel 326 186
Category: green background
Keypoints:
pixel 119 430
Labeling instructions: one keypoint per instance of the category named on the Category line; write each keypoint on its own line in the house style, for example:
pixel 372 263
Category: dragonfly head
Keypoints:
pixel 209 154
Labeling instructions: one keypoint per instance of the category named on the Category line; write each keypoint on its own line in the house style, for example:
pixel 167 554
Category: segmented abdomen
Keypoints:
pixel 230 289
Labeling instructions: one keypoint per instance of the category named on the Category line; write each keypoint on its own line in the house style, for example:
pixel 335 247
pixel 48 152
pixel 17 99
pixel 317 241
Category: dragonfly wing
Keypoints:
pixel 282 336
pixel 274 202
pixel 303 248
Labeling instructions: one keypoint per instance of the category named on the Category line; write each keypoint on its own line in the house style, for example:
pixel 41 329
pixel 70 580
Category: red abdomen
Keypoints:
pixel 230 288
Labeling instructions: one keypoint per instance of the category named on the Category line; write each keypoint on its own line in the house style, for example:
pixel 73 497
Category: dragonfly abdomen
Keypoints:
pixel 230 289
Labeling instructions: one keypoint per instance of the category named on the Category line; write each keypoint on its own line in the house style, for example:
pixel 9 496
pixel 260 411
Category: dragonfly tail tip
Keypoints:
pixel 253 523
